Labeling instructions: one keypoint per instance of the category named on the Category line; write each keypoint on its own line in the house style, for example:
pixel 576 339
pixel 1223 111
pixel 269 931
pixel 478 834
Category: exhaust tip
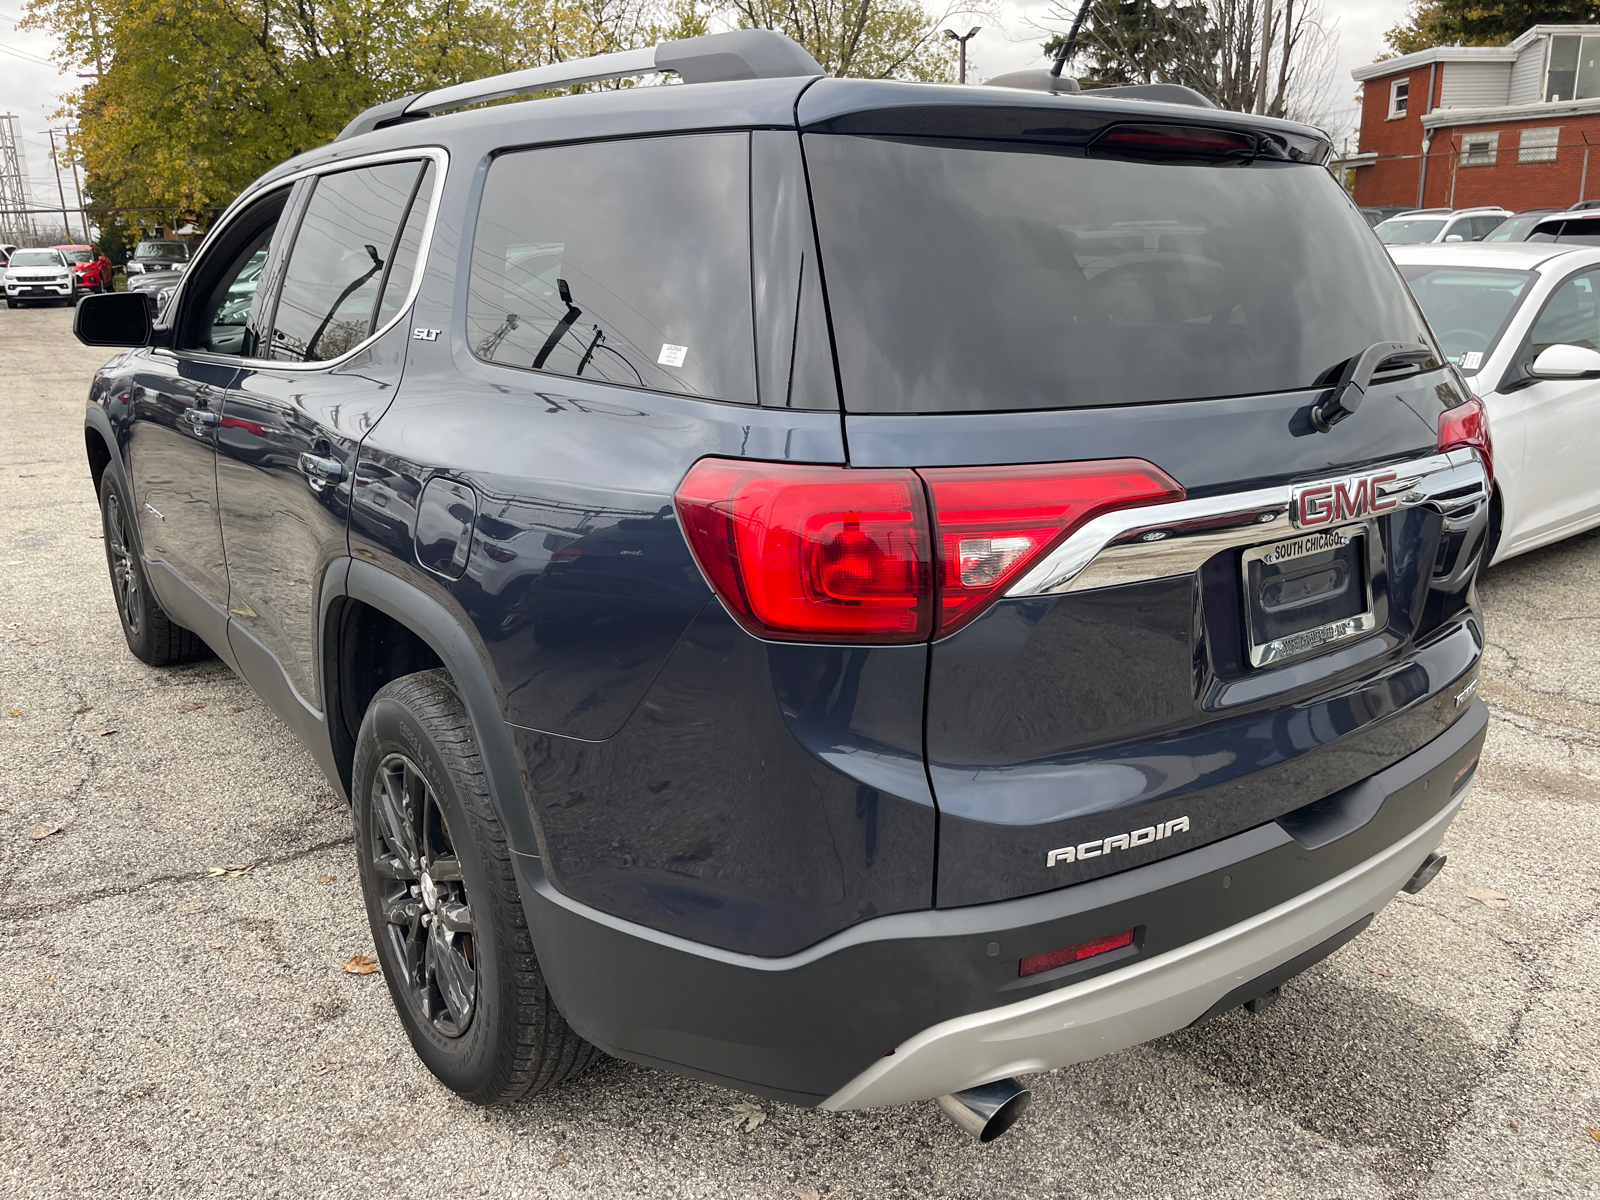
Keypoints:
pixel 1430 867
pixel 989 1109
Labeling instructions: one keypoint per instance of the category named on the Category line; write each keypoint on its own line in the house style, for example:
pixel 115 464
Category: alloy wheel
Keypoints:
pixel 423 898
pixel 124 574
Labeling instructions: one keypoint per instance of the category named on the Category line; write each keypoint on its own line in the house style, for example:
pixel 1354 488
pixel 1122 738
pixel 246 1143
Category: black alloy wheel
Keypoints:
pixel 443 903
pixel 153 637
pixel 423 897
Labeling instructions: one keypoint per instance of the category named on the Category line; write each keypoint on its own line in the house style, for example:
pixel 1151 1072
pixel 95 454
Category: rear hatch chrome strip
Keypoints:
pixel 1134 545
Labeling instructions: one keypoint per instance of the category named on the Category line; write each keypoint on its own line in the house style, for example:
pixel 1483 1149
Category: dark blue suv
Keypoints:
pixel 851 590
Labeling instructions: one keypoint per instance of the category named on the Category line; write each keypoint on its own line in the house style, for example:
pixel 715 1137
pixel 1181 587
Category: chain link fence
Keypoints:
pixel 1497 167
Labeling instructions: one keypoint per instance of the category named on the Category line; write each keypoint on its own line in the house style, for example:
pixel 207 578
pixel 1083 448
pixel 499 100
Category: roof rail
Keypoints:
pixel 714 58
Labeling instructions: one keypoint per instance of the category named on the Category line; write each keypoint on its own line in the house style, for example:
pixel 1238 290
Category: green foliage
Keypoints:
pixel 870 39
pixel 1478 23
pixel 1142 41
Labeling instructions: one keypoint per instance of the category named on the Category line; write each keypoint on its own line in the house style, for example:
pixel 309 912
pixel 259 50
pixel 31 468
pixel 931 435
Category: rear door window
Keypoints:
pixel 967 277
pixel 342 260
pixel 625 261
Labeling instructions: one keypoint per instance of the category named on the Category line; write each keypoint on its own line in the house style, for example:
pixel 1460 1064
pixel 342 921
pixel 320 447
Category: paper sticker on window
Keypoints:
pixel 1471 359
pixel 672 356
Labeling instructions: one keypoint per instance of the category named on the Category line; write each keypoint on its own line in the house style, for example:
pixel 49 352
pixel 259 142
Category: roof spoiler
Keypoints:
pixel 1042 81
pixel 714 58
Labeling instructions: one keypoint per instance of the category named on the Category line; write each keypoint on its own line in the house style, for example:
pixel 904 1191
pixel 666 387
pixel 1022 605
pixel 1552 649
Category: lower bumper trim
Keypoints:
pixel 1146 999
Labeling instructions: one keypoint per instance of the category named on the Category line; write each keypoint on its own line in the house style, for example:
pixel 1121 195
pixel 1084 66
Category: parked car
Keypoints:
pixel 1517 227
pixel 1378 213
pixel 38 275
pixel 156 257
pixel 1571 228
pixel 5 258
pixel 159 285
pixel 91 270
pixel 792 603
pixel 1584 205
pixel 1523 324
pixel 1440 225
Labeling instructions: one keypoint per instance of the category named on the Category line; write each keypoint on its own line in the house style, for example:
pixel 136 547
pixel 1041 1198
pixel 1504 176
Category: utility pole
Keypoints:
pixel 55 161
pixel 83 212
pixel 962 42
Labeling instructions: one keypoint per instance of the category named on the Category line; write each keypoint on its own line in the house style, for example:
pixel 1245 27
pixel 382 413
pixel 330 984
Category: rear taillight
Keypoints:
pixel 991 522
pixel 841 554
pixel 1467 425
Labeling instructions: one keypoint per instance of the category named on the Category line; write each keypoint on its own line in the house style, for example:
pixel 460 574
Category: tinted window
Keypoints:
pixel 330 293
pixel 403 263
pixel 1571 317
pixel 972 279
pixel 624 261
pixel 1513 229
pixel 37 258
pixel 162 251
pixel 1467 307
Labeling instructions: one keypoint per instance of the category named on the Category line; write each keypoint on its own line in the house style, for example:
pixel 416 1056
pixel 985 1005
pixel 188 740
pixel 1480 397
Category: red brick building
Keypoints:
pixel 1460 126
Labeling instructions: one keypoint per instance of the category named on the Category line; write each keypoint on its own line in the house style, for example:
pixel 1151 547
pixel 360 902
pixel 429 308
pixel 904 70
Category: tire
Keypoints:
pixel 454 948
pixel 10 303
pixel 153 637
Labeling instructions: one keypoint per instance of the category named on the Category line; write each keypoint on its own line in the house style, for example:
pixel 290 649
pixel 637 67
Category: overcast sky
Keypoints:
pixel 30 86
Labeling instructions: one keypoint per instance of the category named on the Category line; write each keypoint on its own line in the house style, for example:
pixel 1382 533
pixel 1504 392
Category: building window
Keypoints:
pixel 1399 95
pixel 1538 145
pixel 1574 71
pixel 1478 149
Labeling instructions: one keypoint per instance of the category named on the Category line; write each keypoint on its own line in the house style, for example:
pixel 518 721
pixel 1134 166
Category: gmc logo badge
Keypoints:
pixel 1319 504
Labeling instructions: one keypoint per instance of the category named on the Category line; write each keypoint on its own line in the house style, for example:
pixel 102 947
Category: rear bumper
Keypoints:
pixel 917 1004
pixel 1145 1000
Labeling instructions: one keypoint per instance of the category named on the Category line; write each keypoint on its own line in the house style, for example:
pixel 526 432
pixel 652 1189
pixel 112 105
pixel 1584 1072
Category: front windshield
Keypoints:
pixel 36 258
pixel 83 255
pixel 1515 229
pixel 162 251
pixel 1468 307
pixel 1398 232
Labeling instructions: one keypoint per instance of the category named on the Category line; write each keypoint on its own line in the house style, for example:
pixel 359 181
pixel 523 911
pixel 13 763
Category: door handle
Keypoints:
pixel 320 469
pixel 204 418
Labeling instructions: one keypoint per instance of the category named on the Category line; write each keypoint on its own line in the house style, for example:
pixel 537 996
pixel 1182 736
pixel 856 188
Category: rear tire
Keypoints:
pixel 443 903
pixel 153 637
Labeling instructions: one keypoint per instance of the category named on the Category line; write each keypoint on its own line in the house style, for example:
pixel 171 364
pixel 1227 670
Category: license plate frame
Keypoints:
pixel 1349 545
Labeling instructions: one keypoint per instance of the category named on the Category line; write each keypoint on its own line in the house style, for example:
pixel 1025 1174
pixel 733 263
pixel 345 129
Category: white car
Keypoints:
pixel 1439 225
pixel 38 275
pixel 1522 322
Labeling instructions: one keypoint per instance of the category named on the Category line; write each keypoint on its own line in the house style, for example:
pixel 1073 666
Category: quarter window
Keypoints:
pixel 345 256
pixel 625 261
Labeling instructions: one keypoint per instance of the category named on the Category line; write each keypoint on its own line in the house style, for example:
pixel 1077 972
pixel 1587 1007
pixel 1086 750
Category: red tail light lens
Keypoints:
pixel 991 523
pixel 1071 954
pixel 844 554
pixel 1467 425
pixel 798 553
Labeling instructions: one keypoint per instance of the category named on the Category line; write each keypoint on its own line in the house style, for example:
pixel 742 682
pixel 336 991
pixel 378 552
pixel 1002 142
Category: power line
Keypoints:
pixel 24 54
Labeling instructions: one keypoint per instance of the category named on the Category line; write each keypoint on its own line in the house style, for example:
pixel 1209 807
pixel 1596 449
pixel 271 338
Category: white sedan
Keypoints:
pixel 1522 322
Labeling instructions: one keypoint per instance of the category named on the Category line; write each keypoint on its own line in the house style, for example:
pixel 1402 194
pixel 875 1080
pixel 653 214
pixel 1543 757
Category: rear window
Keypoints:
pixel 966 278
pixel 162 251
pixel 1395 232
pixel 1585 231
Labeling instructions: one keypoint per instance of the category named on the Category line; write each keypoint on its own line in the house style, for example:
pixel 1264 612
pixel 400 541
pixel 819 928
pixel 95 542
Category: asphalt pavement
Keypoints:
pixel 179 898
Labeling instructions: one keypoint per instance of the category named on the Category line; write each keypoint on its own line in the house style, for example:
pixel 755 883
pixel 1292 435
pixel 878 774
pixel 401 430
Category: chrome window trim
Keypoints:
pixel 1155 541
pixel 441 160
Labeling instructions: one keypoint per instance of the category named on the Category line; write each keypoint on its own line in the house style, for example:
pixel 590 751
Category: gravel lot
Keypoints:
pixel 174 1031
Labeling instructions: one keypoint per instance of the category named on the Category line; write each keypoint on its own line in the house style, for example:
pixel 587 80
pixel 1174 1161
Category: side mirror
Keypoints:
pixel 1566 362
pixel 1454 237
pixel 119 319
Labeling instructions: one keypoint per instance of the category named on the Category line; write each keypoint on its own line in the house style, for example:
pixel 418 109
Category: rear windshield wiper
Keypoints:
pixel 1346 395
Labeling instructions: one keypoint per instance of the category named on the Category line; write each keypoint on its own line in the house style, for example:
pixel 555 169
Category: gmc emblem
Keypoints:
pixel 1349 499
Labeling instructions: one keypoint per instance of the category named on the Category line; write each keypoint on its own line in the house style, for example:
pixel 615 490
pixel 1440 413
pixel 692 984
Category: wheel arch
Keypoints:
pixel 398 629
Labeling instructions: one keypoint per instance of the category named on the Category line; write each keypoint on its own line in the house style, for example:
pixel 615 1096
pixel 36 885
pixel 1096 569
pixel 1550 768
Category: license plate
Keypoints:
pixel 1307 592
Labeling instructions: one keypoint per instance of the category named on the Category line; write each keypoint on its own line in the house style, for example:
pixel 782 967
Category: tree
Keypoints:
pixel 874 39
pixel 1213 46
pixel 1482 22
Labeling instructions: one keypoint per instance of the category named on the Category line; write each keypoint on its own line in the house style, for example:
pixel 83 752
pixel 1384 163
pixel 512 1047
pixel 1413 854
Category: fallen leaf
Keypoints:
pixel 191 705
pixel 746 1116
pixel 52 978
pixel 361 964
pixel 81 709
pixel 559 1160
pixel 189 912
pixel 43 831
pixel 214 946
pixel 1385 974
pixel 235 708
pixel 1594 1133
pixel 1489 898
pixel 325 1066
pixel 101 732
pixel 216 870
pixel 324 878
pixel 16 712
